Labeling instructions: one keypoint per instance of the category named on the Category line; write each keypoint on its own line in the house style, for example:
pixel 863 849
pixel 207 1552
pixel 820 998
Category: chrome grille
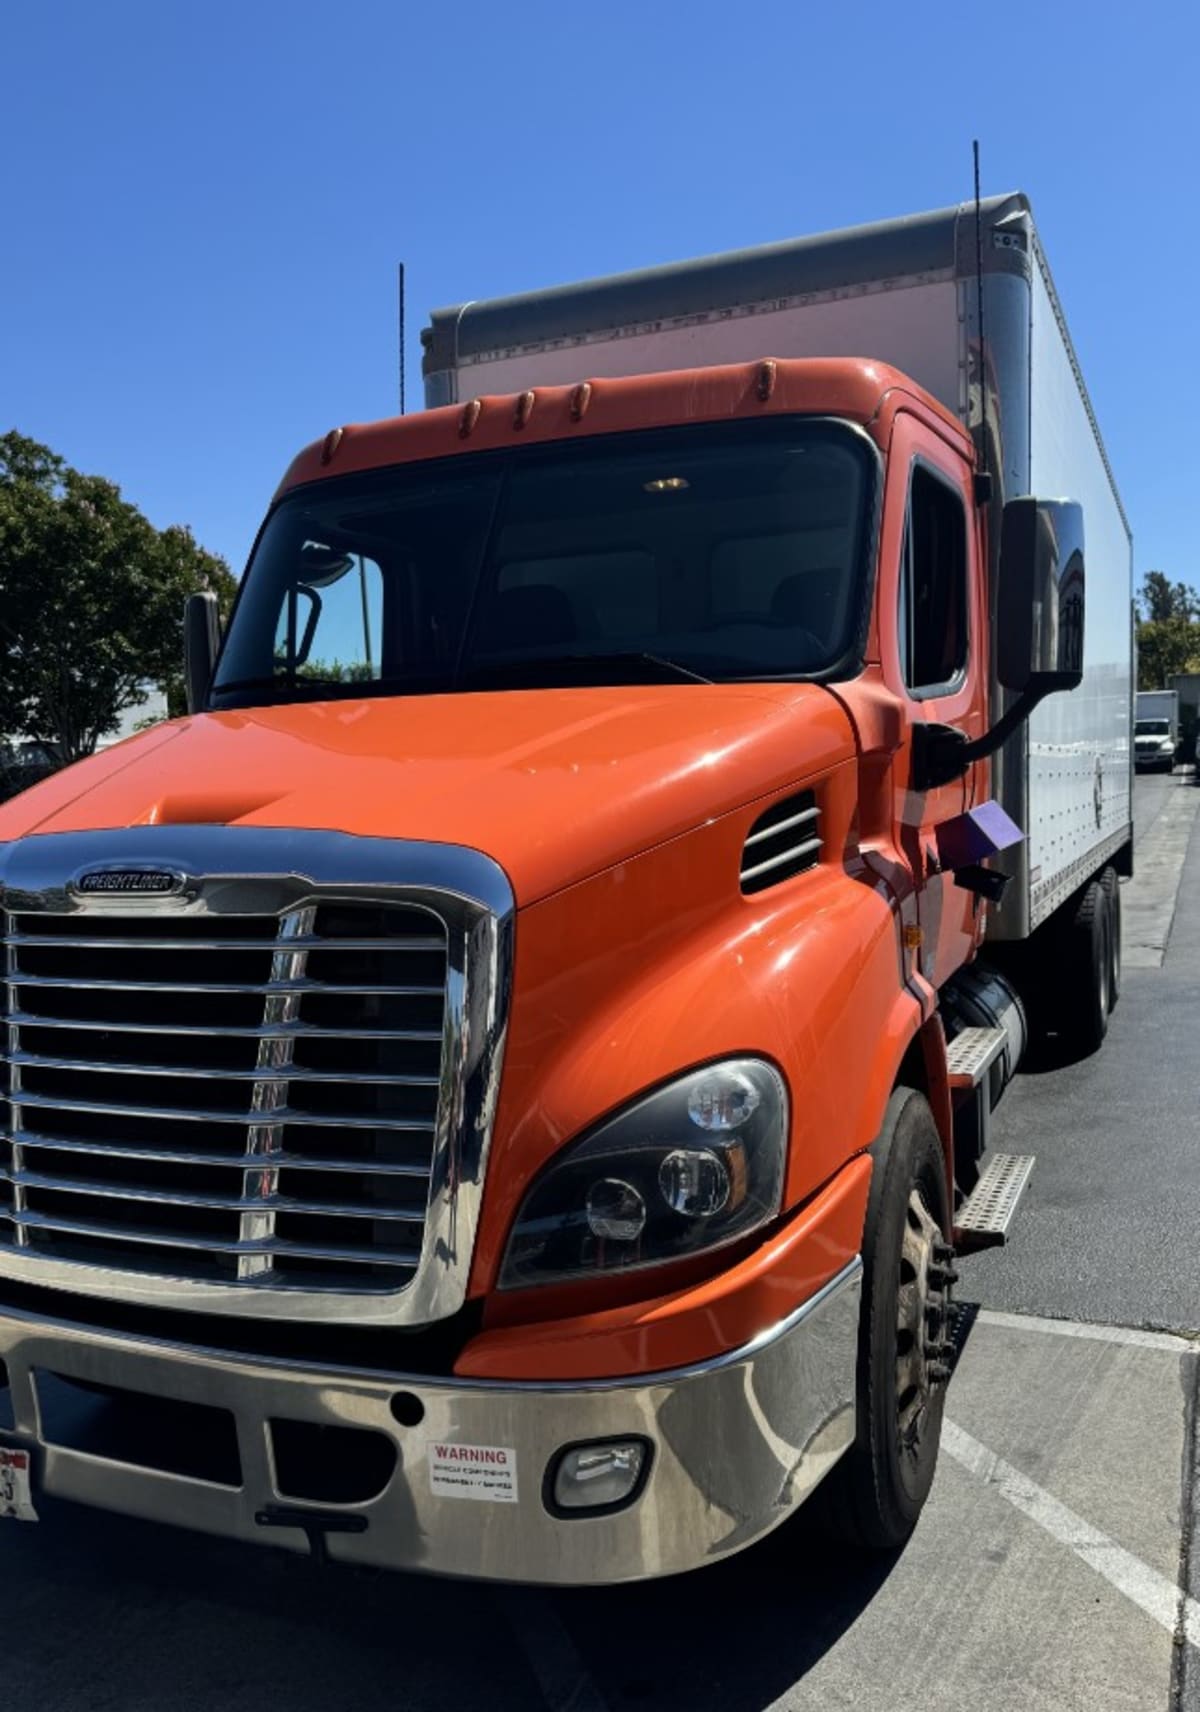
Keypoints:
pixel 233 1099
pixel 784 841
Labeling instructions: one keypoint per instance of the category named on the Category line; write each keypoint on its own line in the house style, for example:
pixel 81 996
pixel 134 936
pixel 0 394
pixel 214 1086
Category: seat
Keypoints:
pixel 536 616
pixel 808 600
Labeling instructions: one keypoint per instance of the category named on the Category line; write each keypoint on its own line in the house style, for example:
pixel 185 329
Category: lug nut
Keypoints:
pixel 939 1372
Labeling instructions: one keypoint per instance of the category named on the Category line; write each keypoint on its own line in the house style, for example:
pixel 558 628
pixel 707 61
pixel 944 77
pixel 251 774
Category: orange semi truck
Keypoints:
pixel 500 1087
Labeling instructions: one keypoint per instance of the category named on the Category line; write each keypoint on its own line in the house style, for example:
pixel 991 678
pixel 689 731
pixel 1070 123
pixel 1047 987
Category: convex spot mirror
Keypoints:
pixel 1039 641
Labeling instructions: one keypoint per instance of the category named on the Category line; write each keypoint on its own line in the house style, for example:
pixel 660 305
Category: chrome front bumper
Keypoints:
pixel 737 1443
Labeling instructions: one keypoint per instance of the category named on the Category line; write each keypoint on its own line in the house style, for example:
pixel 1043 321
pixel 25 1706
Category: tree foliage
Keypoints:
pixel 91 600
pixel 1168 631
pixel 1162 600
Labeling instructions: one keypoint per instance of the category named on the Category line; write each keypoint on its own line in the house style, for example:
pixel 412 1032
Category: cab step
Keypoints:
pixel 971 1054
pixel 984 1217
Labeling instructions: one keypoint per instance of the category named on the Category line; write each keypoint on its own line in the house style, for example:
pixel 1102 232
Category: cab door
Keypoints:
pixel 934 645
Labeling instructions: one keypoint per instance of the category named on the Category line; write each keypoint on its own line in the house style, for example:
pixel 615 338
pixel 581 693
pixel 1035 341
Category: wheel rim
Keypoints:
pixel 922 1326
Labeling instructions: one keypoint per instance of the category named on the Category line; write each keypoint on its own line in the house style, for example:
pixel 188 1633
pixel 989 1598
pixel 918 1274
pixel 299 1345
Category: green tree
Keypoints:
pixel 91 600
pixel 1162 600
pixel 1168 632
pixel 1165 648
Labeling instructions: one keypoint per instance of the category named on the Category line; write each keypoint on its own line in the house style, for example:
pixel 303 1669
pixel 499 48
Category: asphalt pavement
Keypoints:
pixel 1108 1227
pixel 1053 1569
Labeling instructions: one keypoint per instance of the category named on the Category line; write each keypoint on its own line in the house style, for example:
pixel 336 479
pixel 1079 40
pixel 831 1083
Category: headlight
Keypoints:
pixel 691 1166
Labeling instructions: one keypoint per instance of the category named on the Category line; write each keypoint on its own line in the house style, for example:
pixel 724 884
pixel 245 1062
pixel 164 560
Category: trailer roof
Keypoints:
pixel 916 246
pixel 913 249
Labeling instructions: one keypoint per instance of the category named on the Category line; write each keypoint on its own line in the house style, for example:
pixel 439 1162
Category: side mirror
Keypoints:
pixel 1039 620
pixel 201 639
pixel 1039 631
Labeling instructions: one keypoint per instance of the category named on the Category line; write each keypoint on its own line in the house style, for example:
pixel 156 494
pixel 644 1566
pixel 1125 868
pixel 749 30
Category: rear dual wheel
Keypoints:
pixel 1070 971
pixel 1086 997
pixel 1112 891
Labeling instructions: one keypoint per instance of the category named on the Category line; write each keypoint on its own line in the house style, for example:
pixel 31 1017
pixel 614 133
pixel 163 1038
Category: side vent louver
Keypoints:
pixel 784 841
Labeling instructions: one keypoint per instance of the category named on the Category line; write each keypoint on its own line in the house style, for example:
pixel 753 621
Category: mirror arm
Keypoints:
pixel 201 639
pixel 941 753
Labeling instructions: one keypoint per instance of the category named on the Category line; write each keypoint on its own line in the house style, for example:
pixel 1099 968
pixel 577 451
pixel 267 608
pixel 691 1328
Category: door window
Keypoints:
pixel 933 586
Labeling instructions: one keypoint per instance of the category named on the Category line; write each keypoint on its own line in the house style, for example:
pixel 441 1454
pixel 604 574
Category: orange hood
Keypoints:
pixel 555 785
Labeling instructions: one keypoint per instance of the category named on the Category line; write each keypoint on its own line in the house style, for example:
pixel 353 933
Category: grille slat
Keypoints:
pixel 93 942
pixel 267 1031
pixel 783 842
pixel 268 1246
pixel 290 1072
pixel 20 981
pixel 383 1210
pixel 223 1115
pixel 234 1161
pixel 313 1041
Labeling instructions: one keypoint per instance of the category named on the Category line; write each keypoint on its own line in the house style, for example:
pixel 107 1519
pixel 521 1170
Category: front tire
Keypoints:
pixel 873 1498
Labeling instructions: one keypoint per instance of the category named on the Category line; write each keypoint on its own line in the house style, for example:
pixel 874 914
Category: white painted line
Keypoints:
pixel 1172 1608
pixel 551 1654
pixel 1081 1329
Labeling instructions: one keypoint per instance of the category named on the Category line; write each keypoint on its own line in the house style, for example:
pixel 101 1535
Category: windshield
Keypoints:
pixel 1152 728
pixel 710 552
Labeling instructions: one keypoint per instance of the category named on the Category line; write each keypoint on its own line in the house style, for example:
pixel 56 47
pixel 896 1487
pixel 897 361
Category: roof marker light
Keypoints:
pixel 766 379
pixel 524 410
pixel 470 416
pixel 580 399
pixel 332 441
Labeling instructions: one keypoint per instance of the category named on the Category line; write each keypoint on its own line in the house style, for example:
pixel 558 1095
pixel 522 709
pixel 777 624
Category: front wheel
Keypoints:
pixel 874 1496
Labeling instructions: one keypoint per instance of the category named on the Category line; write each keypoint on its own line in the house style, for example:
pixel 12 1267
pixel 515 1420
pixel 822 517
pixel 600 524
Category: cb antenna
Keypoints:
pixel 983 478
pixel 400 284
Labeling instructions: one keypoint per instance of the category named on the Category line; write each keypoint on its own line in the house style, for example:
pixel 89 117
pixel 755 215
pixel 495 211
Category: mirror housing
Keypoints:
pixel 1040 611
pixel 201 639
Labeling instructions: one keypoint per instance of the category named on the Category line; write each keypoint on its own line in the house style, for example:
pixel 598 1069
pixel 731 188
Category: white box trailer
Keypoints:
pixel 905 292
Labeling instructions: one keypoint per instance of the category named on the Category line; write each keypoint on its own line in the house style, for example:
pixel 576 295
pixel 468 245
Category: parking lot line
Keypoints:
pixel 1151 1592
pixel 1131 1335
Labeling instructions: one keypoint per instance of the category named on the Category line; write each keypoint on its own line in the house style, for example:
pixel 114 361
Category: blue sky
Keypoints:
pixel 204 206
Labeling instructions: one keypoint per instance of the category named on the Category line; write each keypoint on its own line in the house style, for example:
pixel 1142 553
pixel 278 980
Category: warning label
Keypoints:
pixel 16 1499
pixel 473 1471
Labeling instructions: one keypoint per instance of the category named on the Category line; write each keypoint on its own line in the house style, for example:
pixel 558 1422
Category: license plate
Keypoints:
pixel 16 1490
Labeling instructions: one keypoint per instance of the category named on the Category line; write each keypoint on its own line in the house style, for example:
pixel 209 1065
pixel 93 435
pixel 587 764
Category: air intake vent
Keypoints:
pixel 782 842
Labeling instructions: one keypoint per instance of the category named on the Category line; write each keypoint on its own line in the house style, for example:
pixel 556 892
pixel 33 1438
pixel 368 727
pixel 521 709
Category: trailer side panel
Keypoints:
pixel 1080 765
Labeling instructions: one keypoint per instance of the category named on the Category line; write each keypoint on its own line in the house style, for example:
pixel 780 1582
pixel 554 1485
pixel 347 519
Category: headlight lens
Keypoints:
pixel 692 1166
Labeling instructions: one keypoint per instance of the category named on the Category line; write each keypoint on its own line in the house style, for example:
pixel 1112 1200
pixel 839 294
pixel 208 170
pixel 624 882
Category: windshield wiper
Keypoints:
pixel 571 665
pixel 290 686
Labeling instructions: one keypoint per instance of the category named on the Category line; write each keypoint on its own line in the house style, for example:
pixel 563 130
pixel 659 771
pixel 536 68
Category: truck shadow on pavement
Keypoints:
pixel 148 1617
pixel 738 1635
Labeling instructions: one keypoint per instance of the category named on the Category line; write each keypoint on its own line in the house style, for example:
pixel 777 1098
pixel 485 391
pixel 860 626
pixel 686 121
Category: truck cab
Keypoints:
pixel 513 1067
